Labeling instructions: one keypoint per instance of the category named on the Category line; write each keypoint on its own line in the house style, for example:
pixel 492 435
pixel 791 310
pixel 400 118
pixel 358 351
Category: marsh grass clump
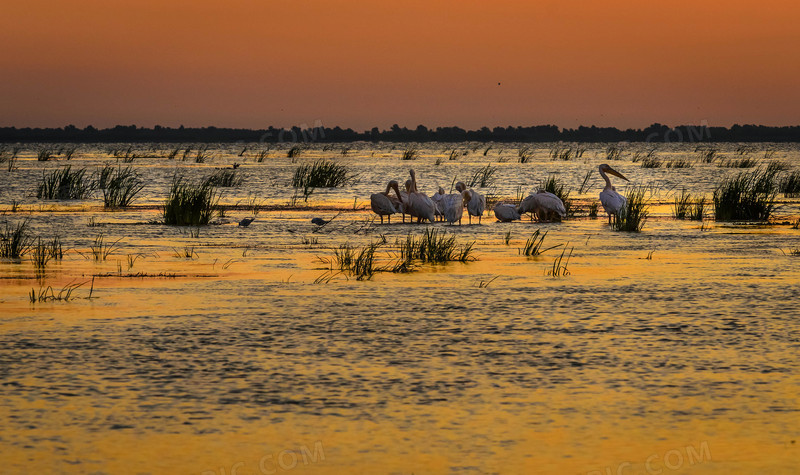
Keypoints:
pixel 681 205
pixel 65 184
pixel 15 240
pixel 707 155
pixel 189 204
pixel 698 209
pixel 293 152
pixel 679 163
pixel 224 179
pixel 101 248
pixel 524 154
pixel 650 161
pixel 482 177
pixel 533 246
pixel 119 186
pixel 790 184
pixel 321 174
pixel 559 268
pixel 261 155
pixel 746 162
pixel 45 154
pixel 777 166
pixel 746 196
pixel 632 216
pixel 202 155
pixel 358 262
pixel 64 295
pixel 40 255
pixel 435 246
pixel 413 154
pixel 613 152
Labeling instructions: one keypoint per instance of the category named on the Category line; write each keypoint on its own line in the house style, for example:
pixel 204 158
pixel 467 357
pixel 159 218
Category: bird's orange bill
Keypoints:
pixel 616 173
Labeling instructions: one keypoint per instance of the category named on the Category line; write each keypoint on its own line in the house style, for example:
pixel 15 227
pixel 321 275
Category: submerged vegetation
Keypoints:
pixel 746 196
pixel 189 204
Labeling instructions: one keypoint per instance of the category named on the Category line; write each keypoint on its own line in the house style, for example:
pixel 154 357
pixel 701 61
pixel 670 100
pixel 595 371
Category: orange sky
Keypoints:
pixel 361 64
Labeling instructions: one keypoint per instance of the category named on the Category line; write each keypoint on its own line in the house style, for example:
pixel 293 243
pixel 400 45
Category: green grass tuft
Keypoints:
pixel 321 174
pixel 65 184
pixel 632 216
pixel 746 196
pixel 790 185
pixel 435 246
pixel 189 204
pixel 15 240
pixel 120 186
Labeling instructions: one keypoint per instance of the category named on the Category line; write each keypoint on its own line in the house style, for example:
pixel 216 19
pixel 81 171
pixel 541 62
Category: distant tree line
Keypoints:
pixel 539 133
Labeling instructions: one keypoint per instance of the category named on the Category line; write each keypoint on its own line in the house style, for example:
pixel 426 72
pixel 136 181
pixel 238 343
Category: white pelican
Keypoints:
pixel 453 207
pixel 419 205
pixel 383 205
pixel 612 201
pixel 437 200
pixel 476 202
pixel 505 212
pixel 544 205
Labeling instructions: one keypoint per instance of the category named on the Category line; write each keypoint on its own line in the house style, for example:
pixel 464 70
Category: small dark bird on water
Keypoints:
pixel 319 221
pixel 246 222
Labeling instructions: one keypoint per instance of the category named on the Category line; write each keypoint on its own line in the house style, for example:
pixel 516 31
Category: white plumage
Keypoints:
pixel 384 205
pixel 419 205
pixel 612 201
pixel 453 207
pixel 506 212
pixel 476 202
pixel 544 205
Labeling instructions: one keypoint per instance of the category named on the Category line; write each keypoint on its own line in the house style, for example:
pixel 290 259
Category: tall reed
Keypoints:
pixel 632 216
pixel 65 184
pixel 189 204
pixel 746 196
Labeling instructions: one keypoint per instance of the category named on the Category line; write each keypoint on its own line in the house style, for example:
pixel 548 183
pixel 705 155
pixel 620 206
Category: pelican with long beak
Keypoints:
pixel 384 205
pixel 612 201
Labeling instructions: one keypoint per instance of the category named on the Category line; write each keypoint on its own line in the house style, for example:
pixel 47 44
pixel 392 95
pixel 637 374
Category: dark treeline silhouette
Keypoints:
pixel 539 133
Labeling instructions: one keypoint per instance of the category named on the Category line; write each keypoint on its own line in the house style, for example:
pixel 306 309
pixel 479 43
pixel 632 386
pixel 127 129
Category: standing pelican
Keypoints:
pixel 544 205
pixel 505 212
pixel 476 202
pixel 437 200
pixel 383 205
pixel 419 205
pixel 453 207
pixel 612 201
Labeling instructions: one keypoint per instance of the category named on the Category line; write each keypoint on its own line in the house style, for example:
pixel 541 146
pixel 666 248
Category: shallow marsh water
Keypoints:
pixel 236 361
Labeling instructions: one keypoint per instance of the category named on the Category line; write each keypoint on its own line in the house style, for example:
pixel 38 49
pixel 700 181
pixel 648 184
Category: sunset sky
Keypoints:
pixel 361 64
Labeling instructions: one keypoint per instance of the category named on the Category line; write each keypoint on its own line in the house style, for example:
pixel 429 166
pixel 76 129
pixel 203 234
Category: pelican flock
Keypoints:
pixel 542 205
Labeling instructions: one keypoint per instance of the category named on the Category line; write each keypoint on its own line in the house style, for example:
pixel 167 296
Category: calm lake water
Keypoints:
pixel 673 350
